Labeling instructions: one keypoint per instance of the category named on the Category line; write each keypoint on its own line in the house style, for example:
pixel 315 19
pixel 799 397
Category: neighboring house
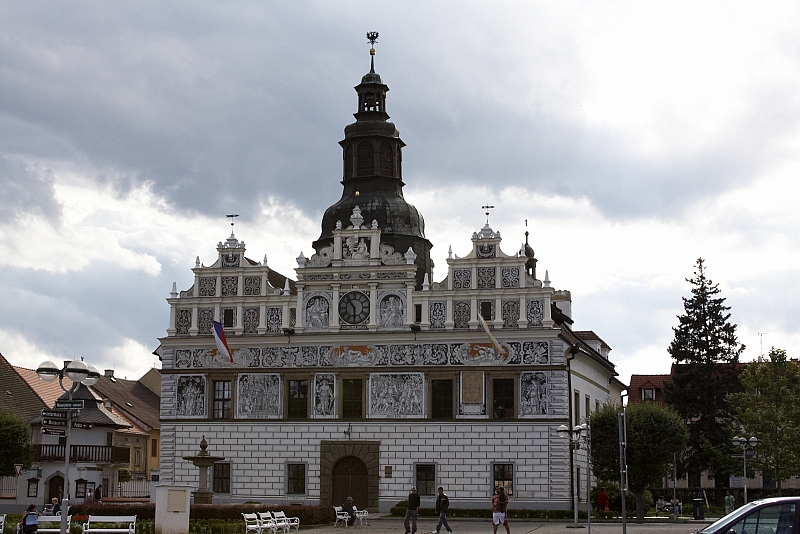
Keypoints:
pixel 138 403
pixel 645 388
pixel 363 377
pixel 125 433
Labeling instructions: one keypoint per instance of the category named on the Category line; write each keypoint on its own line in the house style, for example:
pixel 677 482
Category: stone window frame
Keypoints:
pixel 289 478
pixel 512 480
pixel 419 484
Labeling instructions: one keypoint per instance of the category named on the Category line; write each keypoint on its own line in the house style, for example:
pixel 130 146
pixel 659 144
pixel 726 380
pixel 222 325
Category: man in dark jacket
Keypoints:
pixel 442 504
pixel 412 511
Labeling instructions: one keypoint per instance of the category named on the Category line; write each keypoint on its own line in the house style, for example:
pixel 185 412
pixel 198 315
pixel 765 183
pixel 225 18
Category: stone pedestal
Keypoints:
pixel 203 460
pixel 172 509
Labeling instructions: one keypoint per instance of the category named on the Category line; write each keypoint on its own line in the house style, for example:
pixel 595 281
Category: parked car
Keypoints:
pixel 776 515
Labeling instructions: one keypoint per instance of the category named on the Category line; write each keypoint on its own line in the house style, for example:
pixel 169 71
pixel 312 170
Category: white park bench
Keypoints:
pixel 110 524
pixel 285 522
pixel 51 524
pixel 2 522
pixel 252 523
pixel 361 516
pixel 267 522
pixel 342 516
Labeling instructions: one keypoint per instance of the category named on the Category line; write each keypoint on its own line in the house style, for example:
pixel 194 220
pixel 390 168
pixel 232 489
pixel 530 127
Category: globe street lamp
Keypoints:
pixel 79 373
pixel 580 434
pixel 747 446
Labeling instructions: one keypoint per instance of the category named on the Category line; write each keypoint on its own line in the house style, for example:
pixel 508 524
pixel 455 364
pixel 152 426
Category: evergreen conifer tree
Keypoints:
pixel 706 352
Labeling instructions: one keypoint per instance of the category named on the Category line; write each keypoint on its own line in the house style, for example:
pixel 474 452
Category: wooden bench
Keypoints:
pixel 286 523
pixel 51 524
pixel 110 524
pixel 342 516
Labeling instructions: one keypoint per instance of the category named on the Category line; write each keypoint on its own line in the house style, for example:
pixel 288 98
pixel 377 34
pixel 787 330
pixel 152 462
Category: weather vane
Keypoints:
pixel 372 37
pixel 232 216
pixel 487 208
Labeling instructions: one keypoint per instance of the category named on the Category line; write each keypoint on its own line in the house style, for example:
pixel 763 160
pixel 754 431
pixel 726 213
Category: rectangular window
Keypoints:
pixel 222 399
pixel 33 487
pixel 109 439
pixel 137 457
pixel 649 394
pixel 441 399
pixel 588 407
pixel 80 488
pixel 503 398
pixel 104 488
pixel 486 310
pixel 228 317
pixel 296 479
pixel 222 478
pixel 503 476
pixel 352 396
pixel 292 316
pixel 426 479
pixel 576 405
pixel 417 313
pixel 298 399
pixel 153 448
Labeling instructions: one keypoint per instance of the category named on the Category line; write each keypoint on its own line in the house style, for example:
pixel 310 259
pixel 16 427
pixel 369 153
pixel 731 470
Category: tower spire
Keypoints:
pixel 372 37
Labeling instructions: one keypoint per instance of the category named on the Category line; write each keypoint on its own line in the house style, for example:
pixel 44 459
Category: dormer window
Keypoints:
pixel 648 394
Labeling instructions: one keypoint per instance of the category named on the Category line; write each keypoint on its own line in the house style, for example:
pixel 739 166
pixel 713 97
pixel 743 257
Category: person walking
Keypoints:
pixel 499 507
pixel 729 502
pixel 412 511
pixel 442 504
pixel 602 500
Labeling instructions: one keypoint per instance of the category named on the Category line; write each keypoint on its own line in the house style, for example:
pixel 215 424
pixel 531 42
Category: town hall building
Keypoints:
pixel 362 376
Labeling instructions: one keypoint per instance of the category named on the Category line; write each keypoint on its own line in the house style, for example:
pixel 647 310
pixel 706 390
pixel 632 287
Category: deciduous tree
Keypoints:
pixel 655 434
pixel 768 408
pixel 15 442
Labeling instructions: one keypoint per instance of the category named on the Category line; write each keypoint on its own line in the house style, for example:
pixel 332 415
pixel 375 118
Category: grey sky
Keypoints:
pixel 634 137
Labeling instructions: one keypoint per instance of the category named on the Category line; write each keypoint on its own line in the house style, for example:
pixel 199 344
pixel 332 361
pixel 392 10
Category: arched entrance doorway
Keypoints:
pixel 54 488
pixel 350 479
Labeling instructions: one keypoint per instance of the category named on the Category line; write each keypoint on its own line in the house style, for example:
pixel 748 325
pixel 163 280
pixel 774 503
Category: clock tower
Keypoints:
pixel 372 178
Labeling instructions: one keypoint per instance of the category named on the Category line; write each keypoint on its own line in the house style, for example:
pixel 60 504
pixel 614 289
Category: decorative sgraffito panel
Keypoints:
pixel 535 393
pixel 461 314
pixel 486 277
pixel 250 320
pixel 316 310
pixel 230 286
pixel 274 318
pixel 324 405
pixel 434 354
pixel 510 276
pixel 208 286
pixel 510 313
pixel 535 352
pixel 397 395
pixel 183 321
pixel 252 286
pixel 462 278
pixel 259 396
pixel 534 312
pixel 392 309
pixel 205 321
pixel 437 312
pixel 191 396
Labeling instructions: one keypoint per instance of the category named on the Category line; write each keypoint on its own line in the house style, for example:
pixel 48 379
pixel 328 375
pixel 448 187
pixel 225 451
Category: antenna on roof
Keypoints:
pixel 761 342
pixel 232 216
pixel 487 208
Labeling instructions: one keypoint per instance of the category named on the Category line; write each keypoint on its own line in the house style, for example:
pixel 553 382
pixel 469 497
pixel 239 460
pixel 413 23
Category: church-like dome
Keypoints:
pixel 372 178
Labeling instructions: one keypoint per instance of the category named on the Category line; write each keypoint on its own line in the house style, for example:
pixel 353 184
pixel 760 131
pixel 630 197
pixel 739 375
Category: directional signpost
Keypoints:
pixel 54 414
pixel 54 431
pixel 84 426
pixel 69 405
pixel 54 422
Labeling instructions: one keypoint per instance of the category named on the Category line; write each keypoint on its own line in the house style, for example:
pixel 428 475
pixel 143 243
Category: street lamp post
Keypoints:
pixel 79 373
pixel 581 434
pixel 747 446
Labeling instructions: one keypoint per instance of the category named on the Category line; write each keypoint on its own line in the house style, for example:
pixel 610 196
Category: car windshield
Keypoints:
pixel 775 519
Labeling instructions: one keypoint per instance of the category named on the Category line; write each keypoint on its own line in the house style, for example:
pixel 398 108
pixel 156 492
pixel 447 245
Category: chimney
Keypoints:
pixel 108 373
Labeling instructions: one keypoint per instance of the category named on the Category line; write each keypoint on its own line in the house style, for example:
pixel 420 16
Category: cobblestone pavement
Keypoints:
pixel 392 525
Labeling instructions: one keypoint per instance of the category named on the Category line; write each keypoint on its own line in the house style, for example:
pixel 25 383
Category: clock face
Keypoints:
pixel 354 307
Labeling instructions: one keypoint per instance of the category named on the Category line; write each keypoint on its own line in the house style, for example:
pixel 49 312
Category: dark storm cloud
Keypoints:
pixel 26 191
pixel 221 105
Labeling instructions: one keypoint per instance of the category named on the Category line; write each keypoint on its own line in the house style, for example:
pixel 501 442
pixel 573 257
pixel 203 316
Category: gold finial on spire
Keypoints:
pixel 372 37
